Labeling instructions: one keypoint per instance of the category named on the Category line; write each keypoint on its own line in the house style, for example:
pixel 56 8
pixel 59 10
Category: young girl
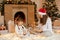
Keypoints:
pixel 45 23
pixel 20 28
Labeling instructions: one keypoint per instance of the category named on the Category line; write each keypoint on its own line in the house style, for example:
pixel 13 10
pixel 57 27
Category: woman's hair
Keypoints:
pixel 44 19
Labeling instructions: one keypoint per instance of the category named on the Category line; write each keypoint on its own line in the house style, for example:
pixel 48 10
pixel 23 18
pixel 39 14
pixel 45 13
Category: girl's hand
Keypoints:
pixel 24 33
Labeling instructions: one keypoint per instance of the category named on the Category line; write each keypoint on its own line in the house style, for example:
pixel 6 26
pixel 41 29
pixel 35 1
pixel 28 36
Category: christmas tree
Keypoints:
pixel 52 9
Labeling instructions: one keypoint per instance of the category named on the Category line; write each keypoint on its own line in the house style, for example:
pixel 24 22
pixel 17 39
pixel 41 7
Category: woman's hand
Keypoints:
pixel 38 30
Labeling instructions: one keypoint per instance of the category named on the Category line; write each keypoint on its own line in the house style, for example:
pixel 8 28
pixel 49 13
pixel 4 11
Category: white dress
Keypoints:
pixel 47 28
pixel 48 25
pixel 21 30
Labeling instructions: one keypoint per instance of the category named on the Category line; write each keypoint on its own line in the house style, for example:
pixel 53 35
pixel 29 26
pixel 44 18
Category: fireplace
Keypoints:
pixel 11 9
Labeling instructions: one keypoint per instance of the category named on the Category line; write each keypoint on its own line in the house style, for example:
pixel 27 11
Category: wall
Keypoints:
pixel 1 1
pixel 39 3
pixel 58 4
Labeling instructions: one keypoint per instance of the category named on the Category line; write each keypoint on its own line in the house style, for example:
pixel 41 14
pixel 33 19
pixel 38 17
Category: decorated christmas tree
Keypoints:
pixel 52 9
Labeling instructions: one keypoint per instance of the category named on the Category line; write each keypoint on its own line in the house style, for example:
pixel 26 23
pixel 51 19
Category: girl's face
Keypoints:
pixel 41 16
pixel 20 23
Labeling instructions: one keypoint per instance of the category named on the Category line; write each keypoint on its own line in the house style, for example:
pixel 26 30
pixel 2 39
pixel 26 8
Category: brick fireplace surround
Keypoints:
pixel 11 9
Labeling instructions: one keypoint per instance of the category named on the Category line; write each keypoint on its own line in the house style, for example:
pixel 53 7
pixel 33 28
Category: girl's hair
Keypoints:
pixel 20 19
pixel 19 16
pixel 44 19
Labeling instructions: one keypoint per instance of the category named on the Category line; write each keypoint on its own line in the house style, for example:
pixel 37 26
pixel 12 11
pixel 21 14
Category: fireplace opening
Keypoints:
pixel 19 14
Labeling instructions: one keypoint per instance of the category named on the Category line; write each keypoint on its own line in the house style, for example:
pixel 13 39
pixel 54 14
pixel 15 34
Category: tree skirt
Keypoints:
pixel 13 36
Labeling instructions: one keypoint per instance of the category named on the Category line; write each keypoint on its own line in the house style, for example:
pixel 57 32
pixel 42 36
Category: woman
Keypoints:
pixel 45 23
